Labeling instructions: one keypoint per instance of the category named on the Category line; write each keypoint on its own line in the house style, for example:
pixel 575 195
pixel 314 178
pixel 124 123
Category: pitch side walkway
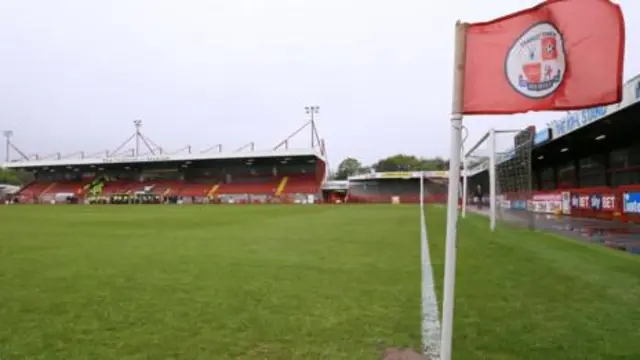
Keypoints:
pixel 612 234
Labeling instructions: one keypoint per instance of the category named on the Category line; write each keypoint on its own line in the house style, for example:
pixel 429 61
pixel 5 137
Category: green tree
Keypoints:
pixel 402 162
pixel 14 177
pixel 8 176
pixel 348 167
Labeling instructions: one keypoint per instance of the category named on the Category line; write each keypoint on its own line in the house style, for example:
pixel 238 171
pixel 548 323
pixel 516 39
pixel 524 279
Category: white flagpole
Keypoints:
pixel 465 184
pixel 454 183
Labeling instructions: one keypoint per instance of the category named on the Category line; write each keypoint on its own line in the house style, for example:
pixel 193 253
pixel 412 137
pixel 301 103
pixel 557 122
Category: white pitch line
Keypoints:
pixel 430 316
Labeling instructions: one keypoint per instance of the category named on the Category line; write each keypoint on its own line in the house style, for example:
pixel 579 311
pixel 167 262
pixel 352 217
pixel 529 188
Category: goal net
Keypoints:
pixel 498 176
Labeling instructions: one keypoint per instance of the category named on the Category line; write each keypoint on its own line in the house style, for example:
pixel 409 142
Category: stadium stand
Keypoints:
pixel 206 180
pixel 276 175
pixel 587 164
pixel 398 187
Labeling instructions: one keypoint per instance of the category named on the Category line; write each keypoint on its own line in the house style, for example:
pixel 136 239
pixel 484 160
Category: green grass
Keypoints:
pixel 527 295
pixel 297 282
pixel 218 282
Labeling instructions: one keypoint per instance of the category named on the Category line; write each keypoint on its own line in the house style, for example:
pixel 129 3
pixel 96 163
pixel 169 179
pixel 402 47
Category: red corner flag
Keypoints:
pixel 558 55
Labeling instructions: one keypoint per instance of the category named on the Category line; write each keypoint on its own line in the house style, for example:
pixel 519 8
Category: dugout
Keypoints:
pixel 603 153
pixel 335 191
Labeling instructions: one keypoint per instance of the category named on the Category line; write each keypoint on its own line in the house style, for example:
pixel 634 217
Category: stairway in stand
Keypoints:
pixel 282 186
pixel 213 190
pixel 48 188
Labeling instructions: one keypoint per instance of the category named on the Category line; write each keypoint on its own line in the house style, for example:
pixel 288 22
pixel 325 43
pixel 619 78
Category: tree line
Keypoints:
pixel 399 162
pixel 13 177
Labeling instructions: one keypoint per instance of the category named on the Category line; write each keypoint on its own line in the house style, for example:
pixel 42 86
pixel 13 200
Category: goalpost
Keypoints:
pixel 500 164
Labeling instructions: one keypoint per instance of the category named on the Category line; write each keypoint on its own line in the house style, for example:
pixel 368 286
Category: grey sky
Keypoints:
pixel 75 73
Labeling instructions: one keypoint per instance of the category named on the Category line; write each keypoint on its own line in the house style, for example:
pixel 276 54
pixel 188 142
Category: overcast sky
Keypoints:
pixel 75 73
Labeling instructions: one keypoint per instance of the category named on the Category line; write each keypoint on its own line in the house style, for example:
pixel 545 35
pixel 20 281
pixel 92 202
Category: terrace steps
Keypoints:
pixel 282 186
pixel 48 188
pixel 213 189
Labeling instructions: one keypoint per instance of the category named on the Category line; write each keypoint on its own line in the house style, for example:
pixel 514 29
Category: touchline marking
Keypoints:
pixel 430 316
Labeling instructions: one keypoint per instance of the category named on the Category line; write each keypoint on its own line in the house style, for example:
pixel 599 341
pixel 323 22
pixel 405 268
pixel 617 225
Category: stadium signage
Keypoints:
pixel 566 203
pixel 136 159
pixel 593 202
pixel 576 120
pixel 542 136
pixel 579 202
pixel 546 203
pixel 631 203
pixel 518 205
pixel 402 175
pixel 398 174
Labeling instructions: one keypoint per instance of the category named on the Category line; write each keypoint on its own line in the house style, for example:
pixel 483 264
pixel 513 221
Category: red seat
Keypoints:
pixel 302 184
pixel 67 186
pixel 195 188
pixel 117 187
pixel 251 186
pixel 35 188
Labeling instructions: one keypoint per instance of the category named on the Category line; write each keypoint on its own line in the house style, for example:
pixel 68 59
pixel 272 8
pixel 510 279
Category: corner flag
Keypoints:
pixel 558 55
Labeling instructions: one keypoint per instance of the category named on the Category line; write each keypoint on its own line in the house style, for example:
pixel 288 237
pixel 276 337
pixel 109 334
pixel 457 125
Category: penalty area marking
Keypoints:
pixel 430 316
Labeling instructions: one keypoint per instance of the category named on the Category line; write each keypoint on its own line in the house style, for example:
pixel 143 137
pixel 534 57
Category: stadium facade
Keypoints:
pixel 585 164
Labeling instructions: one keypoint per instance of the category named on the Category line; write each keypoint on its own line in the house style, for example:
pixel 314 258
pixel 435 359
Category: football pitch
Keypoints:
pixel 298 282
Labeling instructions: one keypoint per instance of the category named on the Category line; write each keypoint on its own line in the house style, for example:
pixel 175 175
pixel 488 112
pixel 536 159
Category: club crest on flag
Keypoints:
pixel 535 64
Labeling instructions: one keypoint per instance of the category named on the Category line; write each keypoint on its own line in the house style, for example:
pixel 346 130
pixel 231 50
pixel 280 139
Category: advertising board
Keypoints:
pixel 503 202
pixel 518 205
pixel 596 202
pixel 631 203
pixel 566 203
pixel 546 203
